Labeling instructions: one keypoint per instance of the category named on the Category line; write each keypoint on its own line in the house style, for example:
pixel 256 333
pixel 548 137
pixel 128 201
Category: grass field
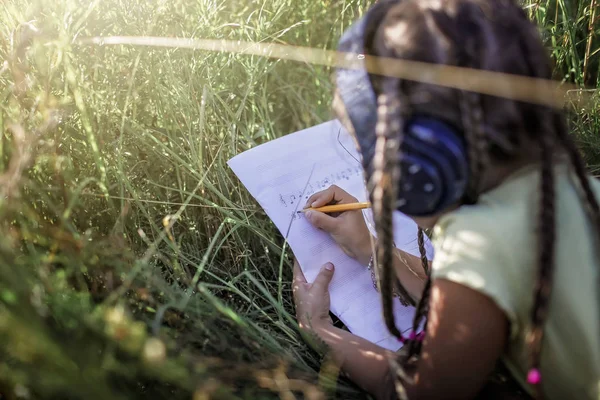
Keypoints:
pixel 132 263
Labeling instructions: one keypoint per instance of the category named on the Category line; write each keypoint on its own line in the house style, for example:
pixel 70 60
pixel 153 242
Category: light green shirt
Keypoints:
pixel 491 247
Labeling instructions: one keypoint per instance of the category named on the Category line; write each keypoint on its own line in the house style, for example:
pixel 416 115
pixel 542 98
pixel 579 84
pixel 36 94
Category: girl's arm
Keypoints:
pixel 466 335
pixel 362 361
pixel 365 363
pixel 410 272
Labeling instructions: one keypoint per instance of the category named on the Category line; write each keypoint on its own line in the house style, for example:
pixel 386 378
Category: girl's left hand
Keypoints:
pixel 312 299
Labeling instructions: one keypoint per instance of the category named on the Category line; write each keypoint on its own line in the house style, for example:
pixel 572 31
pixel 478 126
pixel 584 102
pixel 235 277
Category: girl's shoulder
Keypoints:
pixel 492 246
pixel 524 186
pixel 510 212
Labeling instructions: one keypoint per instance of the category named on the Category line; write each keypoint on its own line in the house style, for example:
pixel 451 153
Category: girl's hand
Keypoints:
pixel 312 299
pixel 348 229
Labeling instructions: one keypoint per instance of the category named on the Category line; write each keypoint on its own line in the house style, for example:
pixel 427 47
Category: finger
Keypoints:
pixel 299 284
pixel 333 194
pixel 322 197
pixel 298 274
pixel 321 283
pixel 323 221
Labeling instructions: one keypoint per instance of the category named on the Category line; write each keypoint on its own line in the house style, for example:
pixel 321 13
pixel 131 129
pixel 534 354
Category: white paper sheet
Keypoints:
pixel 281 175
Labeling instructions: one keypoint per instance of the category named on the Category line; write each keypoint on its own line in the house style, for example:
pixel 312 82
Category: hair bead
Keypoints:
pixel 534 376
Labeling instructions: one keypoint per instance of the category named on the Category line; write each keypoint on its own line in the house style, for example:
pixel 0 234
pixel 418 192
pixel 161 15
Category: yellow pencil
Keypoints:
pixel 339 207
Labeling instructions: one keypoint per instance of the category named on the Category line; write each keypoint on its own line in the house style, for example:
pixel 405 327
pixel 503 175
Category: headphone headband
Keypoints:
pixel 433 162
pixel 354 86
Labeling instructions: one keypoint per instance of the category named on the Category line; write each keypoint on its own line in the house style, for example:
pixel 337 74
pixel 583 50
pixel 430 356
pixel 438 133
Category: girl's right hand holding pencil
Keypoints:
pixel 348 229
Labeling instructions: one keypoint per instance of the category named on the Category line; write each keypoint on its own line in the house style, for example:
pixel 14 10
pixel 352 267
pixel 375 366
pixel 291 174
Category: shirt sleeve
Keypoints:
pixel 470 251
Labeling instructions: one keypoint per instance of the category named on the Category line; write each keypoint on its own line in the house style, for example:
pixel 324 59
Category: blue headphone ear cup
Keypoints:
pixel 428 176
pixel 437 151
pixel 421 186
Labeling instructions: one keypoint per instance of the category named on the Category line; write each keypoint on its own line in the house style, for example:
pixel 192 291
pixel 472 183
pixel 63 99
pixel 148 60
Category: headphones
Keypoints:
pixel 433 160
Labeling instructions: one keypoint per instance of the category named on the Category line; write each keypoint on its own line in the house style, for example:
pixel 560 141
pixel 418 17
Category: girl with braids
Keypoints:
pixel 515 217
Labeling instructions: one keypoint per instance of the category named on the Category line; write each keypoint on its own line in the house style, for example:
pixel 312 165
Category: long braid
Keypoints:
pixel 539 67
pixel 546 255
pixel 546 261
pixel 386 174
pixel 547 237
pixel 578 165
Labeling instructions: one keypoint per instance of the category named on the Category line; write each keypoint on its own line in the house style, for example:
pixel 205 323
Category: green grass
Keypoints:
pixel 120 220
pixel 572 34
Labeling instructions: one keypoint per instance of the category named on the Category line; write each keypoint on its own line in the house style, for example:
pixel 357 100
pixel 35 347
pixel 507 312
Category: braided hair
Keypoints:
pixel 384 181
pixel 468 33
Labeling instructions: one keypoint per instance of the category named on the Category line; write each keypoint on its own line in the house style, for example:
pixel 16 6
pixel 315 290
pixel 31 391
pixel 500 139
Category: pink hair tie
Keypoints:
pixel 421 336
pixel 412 335
pixel 534 377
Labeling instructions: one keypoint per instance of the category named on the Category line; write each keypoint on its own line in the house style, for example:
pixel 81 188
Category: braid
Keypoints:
pixel 469 55
pixel 547 236
pixel 421 314
pixel 468 38
pixel 422 308
pixel 476 142
pixel 386 175
pixel 422 251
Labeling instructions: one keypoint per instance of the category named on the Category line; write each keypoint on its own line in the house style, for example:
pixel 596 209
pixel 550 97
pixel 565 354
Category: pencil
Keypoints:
pixel 339 207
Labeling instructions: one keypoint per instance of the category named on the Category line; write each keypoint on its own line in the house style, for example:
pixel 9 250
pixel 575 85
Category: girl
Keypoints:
pixel 515 217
